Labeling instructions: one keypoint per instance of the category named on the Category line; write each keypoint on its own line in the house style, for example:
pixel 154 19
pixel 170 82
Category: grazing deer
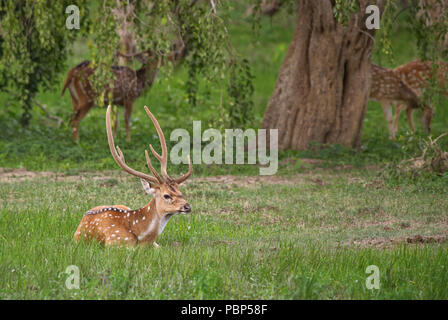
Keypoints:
pixel 387 87
pixel 118 224
pixel 128 86
pixel 417 74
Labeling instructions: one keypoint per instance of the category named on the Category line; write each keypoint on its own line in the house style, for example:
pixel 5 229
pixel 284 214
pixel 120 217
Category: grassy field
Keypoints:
pixel 311 235
pixel 309 232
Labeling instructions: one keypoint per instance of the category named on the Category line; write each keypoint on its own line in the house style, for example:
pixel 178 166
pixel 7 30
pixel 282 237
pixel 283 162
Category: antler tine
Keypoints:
pixel 188 174
pixel 119 158
pixel 162 158
pixel 154 172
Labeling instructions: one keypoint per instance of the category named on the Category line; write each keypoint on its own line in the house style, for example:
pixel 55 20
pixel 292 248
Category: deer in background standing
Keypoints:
pixel 387 87
pixel 119 224
pixel 417 75
pixel 128 86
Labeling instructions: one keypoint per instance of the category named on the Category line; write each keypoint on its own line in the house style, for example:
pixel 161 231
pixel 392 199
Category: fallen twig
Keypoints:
pixel 42 107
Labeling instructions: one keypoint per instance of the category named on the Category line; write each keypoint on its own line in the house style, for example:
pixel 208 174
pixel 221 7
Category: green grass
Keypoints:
pixel 295 240
pixel 308 232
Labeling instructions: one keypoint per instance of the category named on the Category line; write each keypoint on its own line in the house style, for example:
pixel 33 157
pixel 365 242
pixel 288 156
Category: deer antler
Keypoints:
pixel 187 175
pixel 156 179
pixel 163 158
pixel 119 157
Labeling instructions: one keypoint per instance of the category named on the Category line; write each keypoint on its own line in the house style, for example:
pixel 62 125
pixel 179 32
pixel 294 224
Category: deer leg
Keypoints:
pixel 398 110
pixel 127 119
pixel 77 117
pixel 75 112
pixel 409 114
pixel 387 109
pixel 74 103
pixel 427 118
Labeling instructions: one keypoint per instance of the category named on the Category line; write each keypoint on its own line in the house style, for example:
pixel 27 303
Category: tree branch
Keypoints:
pixel 41 106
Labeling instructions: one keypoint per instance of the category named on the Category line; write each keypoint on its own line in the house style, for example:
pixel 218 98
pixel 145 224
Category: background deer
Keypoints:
pixel 388 88
pixel 417 75
pixel 128 86
pixel 119 224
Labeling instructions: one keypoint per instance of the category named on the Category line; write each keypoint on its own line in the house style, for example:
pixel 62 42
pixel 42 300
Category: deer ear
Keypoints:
pixel 147 186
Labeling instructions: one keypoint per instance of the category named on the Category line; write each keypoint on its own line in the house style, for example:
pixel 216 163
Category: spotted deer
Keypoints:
pixel 417 75
pixel 128 86
pixel 388 88
pixel 121 225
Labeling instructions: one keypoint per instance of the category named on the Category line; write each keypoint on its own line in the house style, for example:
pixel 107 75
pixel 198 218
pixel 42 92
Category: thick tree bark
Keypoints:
pixel 322 88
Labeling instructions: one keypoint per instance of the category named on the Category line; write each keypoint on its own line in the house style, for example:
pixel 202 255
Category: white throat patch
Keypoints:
pixel 164 221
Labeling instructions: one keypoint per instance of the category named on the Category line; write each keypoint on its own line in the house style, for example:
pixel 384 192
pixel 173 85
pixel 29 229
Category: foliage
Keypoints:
pixel 34 46
pixel 45 147
pixel 343 9
pixel 430 27
pixel 384 36
pixel 157 26
pixel 240 90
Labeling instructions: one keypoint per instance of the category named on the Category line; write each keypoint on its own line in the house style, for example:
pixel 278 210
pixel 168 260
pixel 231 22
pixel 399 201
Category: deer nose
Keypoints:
pixel 187 208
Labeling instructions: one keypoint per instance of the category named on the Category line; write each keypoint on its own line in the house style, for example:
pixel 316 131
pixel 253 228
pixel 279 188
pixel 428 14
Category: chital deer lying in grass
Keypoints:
pixel 388 88
pixel 118 224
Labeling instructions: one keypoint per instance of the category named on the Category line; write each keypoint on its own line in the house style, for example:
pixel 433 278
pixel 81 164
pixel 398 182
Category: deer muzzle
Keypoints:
pixel 186 208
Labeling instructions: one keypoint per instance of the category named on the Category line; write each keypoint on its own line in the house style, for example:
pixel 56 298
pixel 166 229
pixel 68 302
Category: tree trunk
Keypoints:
pixel 322 88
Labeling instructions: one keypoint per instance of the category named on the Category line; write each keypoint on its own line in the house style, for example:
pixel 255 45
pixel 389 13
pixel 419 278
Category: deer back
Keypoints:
pixel 417 74
pixel 387 86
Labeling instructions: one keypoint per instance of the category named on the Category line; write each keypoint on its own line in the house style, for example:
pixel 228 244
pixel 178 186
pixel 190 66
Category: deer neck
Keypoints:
pixel 146 223
pixel 146 76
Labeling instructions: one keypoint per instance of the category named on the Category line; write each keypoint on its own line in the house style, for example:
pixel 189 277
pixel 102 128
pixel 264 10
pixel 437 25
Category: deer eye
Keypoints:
pixel 167 197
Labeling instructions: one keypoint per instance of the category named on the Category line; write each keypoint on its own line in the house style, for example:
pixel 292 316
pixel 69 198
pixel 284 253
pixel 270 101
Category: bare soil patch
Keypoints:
pixel 318 176
pixel 248 181
pixel 11 175
pixel 426 239
pixel 106 178
pixel 391 242
pixel 21 174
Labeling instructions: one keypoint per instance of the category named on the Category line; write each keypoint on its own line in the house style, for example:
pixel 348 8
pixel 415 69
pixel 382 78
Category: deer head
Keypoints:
pixel 150 64
pixel 164 189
